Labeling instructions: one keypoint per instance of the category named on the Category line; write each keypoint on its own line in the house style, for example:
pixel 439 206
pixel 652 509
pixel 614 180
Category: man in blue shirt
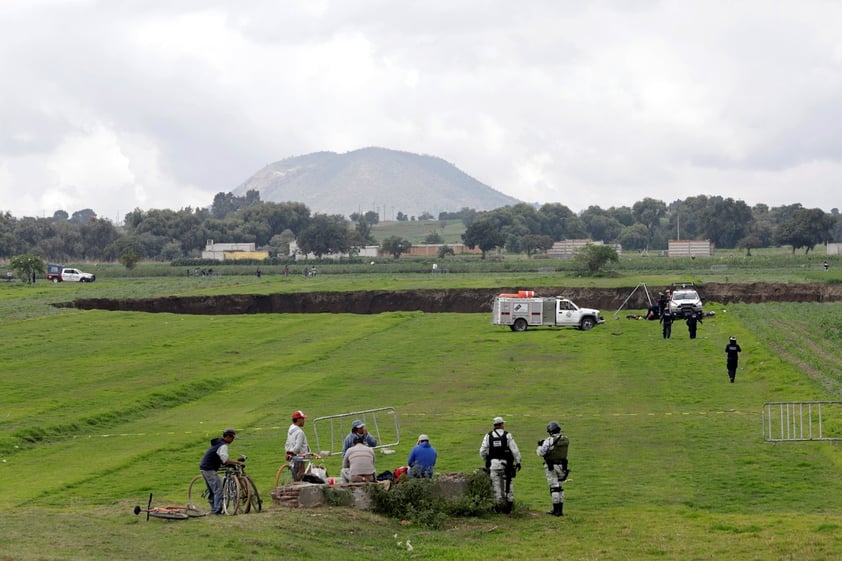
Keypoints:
pixel 422 459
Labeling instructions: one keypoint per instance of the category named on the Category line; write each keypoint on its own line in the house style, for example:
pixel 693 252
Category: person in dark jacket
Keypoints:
pixel 666 321
pixel 215 457
pixel 733 350
pixel 692 320
pixel 422 458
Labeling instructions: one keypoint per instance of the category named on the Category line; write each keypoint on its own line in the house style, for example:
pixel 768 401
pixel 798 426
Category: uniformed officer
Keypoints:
pixel 554 451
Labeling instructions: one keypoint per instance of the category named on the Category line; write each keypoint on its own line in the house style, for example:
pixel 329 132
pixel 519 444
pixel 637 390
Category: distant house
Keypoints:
pixel 690 248
pixel 232 251
pixel 834 248
pixel 566 248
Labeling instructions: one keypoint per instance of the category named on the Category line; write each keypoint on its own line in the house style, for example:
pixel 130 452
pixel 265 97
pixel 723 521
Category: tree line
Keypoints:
pixel 167 235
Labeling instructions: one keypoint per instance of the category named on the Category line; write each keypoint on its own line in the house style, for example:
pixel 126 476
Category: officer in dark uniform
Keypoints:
pixel 692 320
pixel 733 350
pixel 666 321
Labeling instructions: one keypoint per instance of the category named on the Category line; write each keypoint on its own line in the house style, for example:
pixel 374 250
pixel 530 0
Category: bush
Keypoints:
pixel 417 501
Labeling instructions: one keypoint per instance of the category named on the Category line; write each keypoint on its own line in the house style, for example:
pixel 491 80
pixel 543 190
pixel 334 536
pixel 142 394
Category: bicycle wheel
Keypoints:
pixel 197 489
pixel 255 502
pixel 244 494
pixel 284 475
pixel 230 495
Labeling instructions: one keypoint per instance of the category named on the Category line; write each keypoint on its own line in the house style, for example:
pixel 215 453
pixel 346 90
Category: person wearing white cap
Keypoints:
pixel 358 427
pixel 502 460
pixel 422 458
pixel 296 447
pixel 733 351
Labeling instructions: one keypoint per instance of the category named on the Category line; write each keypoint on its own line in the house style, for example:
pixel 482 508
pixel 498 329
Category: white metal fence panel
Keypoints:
pixel 785 421
pixel 382 423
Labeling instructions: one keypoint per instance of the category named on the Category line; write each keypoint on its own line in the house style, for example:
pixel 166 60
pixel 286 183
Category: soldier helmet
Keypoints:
pixel 553 427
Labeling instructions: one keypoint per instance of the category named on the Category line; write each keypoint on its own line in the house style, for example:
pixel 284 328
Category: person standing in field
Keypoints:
pixel 733 350
pixel 554 451
pixel 666 321
pixel 502 460
pixel 215 457
pixel 296 447
pixel 692 320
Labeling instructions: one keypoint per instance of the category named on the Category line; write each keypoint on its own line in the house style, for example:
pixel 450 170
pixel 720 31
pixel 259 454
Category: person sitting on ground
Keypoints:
pixel 422 458
pixel 358 427
pixel 358 463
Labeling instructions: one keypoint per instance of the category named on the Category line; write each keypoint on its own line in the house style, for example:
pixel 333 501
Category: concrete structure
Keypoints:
pixel 834 248
pixel 566 248
pixel 232 251
pixel 690 248
pixel 432 249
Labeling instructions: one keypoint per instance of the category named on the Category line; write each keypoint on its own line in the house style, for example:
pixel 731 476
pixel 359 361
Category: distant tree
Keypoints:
pixel 533 243
pixel 600 225
pixel 749 242
pixel 128 258
pixel 228 203
pixel 649 212
pixel 444 251
pixel 485 233
pixel 425 216
pixel 60 216
pixel 362 234
pixel 395 246
pixel 635 236
pixel 83 216
pixel 805 228
pixel 433 238
pixel 280 243
pixel 401 217
pixel 372 218
pixel 27 266
pixel 592 257
pixel 325 234
pixel 170 252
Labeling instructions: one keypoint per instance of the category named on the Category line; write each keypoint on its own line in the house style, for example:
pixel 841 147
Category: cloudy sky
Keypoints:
pixel 121 104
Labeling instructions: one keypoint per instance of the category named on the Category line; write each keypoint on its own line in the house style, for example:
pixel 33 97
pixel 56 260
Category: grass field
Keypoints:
pixel 668 459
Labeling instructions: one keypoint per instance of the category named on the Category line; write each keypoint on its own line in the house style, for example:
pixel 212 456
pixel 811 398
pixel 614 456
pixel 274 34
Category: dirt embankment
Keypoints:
pixel 463 300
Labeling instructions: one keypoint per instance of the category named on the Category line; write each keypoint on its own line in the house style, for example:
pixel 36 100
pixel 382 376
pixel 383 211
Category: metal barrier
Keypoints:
pixel 382 424
pixel 785 421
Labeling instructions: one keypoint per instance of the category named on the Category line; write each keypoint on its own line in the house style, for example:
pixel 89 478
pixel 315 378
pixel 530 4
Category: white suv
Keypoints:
pixel 685 301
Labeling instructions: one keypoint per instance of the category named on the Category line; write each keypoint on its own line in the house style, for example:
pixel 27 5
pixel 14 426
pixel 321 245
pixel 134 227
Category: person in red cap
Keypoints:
pixel 297 448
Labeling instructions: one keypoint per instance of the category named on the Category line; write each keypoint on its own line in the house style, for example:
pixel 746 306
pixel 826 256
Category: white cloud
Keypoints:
pixel 155 104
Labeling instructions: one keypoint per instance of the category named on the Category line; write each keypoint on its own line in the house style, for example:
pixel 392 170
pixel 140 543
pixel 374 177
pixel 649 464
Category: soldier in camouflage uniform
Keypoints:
pixel 554 451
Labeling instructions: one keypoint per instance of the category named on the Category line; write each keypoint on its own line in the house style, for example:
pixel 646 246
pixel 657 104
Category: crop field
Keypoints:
pixel 668 459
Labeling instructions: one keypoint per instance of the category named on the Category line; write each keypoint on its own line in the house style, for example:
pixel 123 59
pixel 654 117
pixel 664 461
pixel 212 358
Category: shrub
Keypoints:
pixel 417 501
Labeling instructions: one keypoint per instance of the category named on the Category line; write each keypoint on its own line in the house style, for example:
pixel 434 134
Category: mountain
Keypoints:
pixel 386 181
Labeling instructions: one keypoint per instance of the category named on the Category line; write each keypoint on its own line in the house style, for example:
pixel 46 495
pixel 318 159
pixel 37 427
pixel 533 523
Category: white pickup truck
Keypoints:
pixel 523 309
pixel 69 274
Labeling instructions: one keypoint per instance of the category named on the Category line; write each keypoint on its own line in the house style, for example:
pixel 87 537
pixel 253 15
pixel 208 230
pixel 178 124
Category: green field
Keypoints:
pixel 668 459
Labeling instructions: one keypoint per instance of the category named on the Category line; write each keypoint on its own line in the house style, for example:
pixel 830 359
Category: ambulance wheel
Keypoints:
pixel 519 325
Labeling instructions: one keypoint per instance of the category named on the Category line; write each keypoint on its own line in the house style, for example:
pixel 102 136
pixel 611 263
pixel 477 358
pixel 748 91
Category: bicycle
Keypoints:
pixel 239 492
pixel 285 476
pixel 170 512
